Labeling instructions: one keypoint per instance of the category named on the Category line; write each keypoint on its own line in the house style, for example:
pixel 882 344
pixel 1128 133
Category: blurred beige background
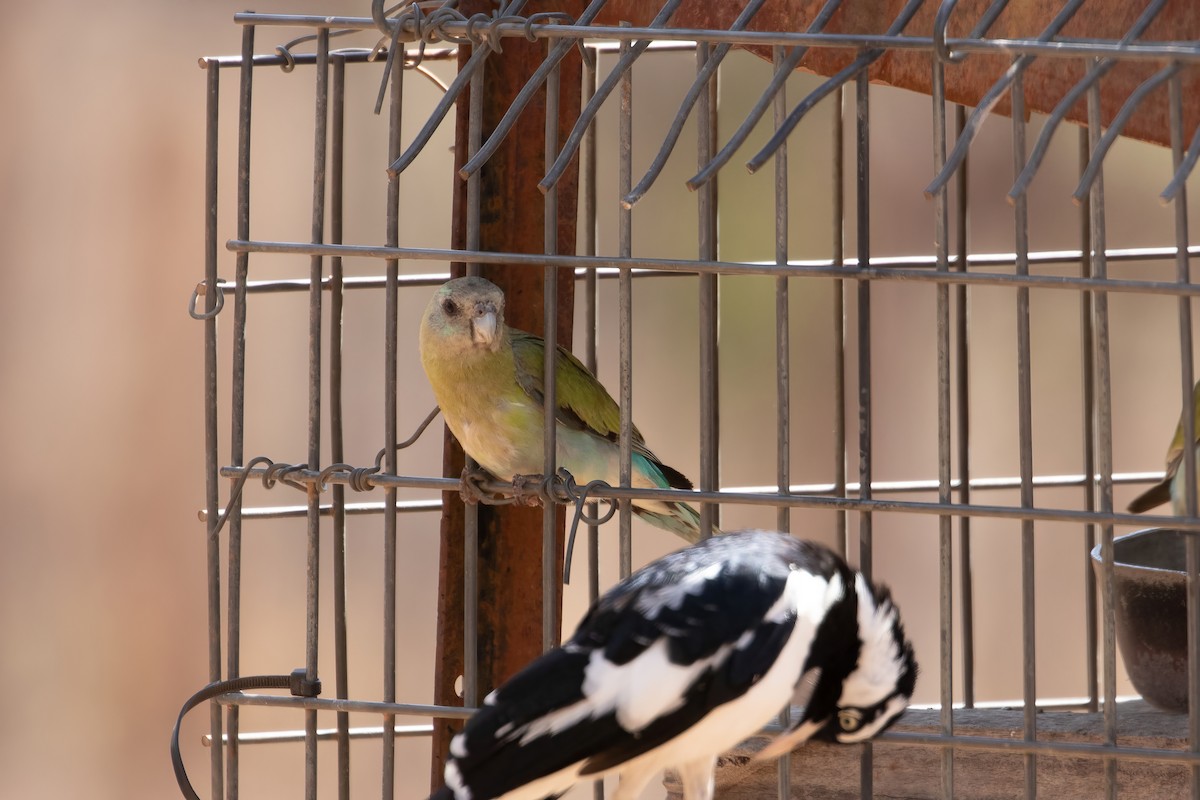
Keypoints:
pixel 102 577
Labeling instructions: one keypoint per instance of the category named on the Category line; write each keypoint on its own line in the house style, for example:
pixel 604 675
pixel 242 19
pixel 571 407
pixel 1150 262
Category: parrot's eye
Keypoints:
pixel 449 306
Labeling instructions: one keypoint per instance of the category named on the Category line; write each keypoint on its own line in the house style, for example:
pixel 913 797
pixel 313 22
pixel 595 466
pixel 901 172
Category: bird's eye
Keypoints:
pixel 449 306
pixel 850 719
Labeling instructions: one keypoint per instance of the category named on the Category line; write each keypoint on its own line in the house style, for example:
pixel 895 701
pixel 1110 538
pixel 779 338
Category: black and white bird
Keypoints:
pixel 683 660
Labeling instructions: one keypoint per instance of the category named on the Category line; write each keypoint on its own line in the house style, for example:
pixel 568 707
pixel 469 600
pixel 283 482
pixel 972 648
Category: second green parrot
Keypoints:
pixel 1171 487
pixel 488 380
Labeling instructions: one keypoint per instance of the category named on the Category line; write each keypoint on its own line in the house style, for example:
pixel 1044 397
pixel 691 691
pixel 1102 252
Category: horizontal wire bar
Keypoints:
pixel 1047 257
pixel 821 269
pixel 351 509
pixel 333 704
pixel 1064 48
pixel 1040 746
pixel 877 487
pixel 278 737
pixel 1075 749
pixel 271 286
pixel 351 55
pixel 766 498
pixel 983 484
pixel 362 55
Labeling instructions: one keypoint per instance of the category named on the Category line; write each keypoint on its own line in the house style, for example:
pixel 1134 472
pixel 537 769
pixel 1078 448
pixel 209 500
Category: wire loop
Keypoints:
pixel 580 498
pixel 200 291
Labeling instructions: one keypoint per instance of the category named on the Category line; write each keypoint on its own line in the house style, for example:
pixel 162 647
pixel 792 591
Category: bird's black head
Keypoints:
pixel 857 705
pixel 865 668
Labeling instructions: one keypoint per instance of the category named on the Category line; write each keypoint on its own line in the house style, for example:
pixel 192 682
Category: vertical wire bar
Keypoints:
pixel 237 410
pixel 211 467
pixel 1025 443
pixel 1192 553
pixel 1104 448
pixel 336 443
pixel 782 342
pixel 706 206
pixel 838 211
pixel 390 413
pixel 863 201
pixel 587 217
pixel 945 540
pixel 782 363
pixel 962 394
pixel 1089 438
pixel 625 311
pixel 550 384
pixel 471 510
pixel 320 134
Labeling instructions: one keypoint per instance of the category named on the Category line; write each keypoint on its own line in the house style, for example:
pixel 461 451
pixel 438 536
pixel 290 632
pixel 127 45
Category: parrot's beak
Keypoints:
pixel 483 327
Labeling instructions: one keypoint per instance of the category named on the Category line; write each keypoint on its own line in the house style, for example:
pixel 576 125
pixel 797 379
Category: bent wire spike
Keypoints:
pixel 992 97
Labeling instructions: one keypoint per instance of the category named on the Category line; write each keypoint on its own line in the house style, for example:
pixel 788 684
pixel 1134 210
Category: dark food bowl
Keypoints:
pixel 1150 595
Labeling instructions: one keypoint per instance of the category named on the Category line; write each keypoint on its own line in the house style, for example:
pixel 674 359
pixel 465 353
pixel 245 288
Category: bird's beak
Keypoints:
pixel 799 732
pixel 789 740
pixel 483 327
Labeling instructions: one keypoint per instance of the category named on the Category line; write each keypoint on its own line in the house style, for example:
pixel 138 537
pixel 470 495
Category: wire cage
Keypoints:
pixel 819 369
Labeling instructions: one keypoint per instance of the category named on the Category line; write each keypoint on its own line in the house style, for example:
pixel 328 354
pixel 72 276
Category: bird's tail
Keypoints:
pixel 1156 495
pixel 683 521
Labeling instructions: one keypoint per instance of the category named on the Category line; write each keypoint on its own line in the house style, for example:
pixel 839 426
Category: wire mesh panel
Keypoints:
pixel 792 329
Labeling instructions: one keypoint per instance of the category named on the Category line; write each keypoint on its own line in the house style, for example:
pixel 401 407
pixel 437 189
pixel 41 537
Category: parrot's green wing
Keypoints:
pixel 585 405
pixel 583 402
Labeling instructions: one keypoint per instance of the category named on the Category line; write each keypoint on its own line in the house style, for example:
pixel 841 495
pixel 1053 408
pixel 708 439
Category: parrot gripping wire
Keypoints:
pixel 560 488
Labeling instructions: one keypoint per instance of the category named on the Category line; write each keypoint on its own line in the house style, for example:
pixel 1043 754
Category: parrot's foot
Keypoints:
pixel 527 489
pixel 472 486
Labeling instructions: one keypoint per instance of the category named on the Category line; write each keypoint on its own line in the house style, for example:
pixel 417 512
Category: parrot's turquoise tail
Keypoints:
pixel 684 521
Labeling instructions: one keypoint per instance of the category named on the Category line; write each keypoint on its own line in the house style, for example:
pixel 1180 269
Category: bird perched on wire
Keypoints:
pixel 683 660
pixel 1171 487
pixel 488 379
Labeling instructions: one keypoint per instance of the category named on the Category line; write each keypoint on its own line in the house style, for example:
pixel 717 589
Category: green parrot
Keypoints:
pixel 1171 486
pixel 488 378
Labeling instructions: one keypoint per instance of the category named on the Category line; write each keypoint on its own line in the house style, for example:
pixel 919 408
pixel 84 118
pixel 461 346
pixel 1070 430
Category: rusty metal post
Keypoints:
pixel 511 220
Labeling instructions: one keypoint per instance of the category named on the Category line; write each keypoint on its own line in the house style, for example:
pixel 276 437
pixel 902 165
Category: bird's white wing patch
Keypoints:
pixel 455 783
pixel 880 660
pixel 639 691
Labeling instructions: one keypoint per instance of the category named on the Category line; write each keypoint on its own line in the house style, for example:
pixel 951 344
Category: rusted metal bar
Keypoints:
pixel 510 220
pixel 1046 80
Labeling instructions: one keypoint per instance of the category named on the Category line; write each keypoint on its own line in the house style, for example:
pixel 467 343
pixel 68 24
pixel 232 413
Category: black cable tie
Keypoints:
pixel 297 683
pixel 301 686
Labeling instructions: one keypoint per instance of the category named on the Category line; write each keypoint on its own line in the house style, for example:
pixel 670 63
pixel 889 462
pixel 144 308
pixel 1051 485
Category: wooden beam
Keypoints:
pixel 511 220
